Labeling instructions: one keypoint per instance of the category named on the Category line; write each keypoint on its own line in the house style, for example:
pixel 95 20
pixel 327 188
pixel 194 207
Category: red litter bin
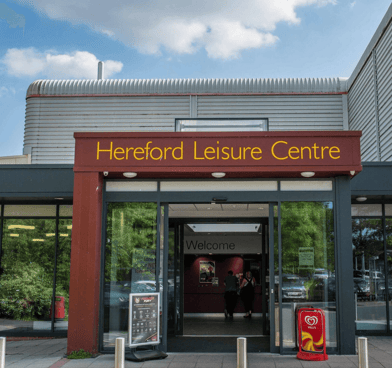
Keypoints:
pixel 59 308
pixel 311 334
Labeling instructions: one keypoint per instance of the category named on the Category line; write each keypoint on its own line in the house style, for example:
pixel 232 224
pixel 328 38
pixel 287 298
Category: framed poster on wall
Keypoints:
pixel 206 271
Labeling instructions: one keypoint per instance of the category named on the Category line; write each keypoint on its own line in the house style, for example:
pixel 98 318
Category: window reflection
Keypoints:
pixel 130 262
pixel 369 275
pixel 27 265
pixel 308 265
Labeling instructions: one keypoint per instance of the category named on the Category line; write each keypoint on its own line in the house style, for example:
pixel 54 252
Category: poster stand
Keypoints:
pixel 144 321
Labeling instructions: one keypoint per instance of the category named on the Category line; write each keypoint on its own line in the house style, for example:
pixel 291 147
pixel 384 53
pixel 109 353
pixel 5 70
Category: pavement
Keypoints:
pixel 49 353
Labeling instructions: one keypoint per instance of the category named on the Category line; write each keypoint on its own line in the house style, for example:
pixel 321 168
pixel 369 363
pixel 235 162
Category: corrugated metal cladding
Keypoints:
pixel 361 111
pixel 370 101
pixel 51 122
pixel 384 88
pixel 299 112
pixel 52 119
pixel 186 86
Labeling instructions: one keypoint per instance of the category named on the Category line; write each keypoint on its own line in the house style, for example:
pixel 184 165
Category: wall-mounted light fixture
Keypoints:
pixel 307 174
pixel 218 175
pixel 361 199
pixel 130 174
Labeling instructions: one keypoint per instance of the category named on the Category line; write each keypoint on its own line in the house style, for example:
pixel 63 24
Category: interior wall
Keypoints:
pixel 206 298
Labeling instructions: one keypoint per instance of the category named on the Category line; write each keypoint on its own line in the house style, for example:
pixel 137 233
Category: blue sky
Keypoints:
pixel 143 39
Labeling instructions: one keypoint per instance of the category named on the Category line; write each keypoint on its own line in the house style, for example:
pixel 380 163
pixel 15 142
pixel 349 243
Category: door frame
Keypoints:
pixel 179 242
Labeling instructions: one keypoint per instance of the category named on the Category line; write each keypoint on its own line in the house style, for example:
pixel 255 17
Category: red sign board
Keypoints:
pixel 311 334
pixel 255 154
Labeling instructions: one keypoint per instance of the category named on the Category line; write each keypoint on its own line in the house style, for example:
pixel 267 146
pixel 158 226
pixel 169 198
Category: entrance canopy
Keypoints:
pixel 245 155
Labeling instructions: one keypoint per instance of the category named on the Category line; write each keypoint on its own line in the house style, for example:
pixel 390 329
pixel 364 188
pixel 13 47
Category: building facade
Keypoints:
pixel 166 185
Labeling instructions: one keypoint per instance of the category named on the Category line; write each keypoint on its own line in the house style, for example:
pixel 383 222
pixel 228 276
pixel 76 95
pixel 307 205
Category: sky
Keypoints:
pixel 165 39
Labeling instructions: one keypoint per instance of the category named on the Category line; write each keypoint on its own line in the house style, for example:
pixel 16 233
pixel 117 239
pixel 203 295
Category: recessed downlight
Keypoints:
pixel 361 199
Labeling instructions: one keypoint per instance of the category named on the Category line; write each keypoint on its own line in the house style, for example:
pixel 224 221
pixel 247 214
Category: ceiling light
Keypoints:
pixel 218 175
pixel 210 254
pixel 223 228
pixel 26 227
pixel 361 199
pixel 59 199
pixel 69 227
pixel 65 235
pixel 51 234
pixel 38 240
pixel 307 174
pixel 130 174
pixel 14 235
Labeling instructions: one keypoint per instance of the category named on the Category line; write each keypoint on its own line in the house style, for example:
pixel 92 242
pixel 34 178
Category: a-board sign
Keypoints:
pixel 311 334
pixel 143 319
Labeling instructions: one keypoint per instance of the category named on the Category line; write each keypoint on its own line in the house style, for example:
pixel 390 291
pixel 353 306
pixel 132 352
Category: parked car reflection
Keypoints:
pixel 293 288
pixel 381 294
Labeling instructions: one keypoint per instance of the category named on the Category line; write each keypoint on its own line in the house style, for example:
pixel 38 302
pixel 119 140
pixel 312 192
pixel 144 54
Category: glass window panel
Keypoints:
pixel 27 264
pixel 29 210
pixel 308 265
pixel 306 185
pixel 388 289
pixel 200 186
pixel 66 210
pixel 366 210
pixel 63 275
pixel 221 125
pixel 130 262
pixel 131 186
pixel 388 210
pixel 369 277
pixel 276 276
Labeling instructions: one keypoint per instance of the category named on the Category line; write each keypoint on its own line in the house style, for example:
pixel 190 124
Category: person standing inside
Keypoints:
pixel 247 293
pixel 231 283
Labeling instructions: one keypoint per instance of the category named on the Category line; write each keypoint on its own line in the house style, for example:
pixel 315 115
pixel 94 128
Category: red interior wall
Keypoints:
pixel 205 298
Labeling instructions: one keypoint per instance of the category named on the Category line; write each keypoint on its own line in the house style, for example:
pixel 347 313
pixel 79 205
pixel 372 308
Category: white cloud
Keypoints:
pixel 6 91
pixel 77 65
pixel 222 28
pixel 352 4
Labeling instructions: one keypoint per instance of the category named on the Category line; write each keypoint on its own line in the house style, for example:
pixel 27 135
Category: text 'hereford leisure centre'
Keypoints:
pixel 280 150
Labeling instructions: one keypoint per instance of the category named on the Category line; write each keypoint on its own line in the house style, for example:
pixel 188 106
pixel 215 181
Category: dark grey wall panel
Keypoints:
pixel 375 178
pixel 36 180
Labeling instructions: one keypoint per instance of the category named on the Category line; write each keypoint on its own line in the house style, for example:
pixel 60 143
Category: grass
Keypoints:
pixel 81 354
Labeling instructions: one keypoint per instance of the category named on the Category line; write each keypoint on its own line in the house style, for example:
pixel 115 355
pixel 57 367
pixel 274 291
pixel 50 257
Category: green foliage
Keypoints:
pixel 80 354
pixel 28 247
pixel 306 225
pixel 25 292
pixel 131 240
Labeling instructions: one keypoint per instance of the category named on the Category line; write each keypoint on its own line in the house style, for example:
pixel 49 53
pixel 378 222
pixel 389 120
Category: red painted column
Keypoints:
pixel 85 262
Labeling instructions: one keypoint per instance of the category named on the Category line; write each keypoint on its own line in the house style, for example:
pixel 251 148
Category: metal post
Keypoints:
pixel 363 359
pixel 242 354
pixel 2 352
pixel 119 355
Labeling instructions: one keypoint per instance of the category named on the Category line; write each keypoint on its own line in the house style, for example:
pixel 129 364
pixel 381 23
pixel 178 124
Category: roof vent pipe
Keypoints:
pixel 100 70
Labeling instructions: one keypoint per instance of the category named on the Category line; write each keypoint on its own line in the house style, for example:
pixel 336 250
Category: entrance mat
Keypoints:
pixel 221 344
